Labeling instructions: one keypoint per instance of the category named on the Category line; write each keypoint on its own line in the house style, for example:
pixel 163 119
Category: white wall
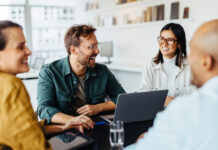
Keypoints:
pixel 31 86
pixel 136 44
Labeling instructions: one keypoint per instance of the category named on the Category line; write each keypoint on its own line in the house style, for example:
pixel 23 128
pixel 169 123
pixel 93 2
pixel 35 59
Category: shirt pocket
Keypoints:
pixel 98 97
pixel 64 101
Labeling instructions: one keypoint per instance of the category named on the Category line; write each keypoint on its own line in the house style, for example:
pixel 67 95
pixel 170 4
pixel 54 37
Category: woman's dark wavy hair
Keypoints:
pixel 179 32
pixel 3 37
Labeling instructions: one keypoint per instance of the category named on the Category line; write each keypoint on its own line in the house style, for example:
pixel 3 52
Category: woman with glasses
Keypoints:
pixel 169 68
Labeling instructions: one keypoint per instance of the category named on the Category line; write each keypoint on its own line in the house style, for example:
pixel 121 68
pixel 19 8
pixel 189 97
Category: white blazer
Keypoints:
pixel 154 78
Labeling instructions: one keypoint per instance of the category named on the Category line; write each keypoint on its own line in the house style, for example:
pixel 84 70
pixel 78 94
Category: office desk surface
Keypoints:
pixel 131 132
pixel 100 134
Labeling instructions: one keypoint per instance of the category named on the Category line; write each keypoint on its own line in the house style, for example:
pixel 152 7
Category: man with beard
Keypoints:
pixel 191 121
pixel 73 88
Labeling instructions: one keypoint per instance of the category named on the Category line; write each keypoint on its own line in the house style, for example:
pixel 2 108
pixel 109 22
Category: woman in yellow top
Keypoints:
pixel 19 127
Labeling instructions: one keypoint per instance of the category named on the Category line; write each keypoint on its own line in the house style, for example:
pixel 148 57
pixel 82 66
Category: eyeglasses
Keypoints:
pixel 92 46
pixel 170 41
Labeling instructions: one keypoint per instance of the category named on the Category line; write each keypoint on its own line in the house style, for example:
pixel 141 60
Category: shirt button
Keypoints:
pixel 74 96
pixel 74 82
pixel 177 89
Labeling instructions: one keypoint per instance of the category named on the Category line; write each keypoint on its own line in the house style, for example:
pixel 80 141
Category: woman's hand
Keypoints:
pixel 141 136
pixel 78 122
pixel 81 120
pixel 167 101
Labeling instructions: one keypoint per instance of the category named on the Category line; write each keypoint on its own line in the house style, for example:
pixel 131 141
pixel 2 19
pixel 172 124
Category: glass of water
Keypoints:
pixel 117 134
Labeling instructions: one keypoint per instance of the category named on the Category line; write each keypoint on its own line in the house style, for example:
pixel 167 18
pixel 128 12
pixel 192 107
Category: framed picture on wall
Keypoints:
pixel 186 12
pixel 174 10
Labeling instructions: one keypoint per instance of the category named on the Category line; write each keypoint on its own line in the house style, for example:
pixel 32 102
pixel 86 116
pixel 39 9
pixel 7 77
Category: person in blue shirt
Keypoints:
pixel 190 122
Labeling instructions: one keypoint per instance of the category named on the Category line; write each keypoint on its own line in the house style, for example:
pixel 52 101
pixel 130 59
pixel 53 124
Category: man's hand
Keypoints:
pixel 69 125
pixel 89 110
pixel 80 122
pixel 168 100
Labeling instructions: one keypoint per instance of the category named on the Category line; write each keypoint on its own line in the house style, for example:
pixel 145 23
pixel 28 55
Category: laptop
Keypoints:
pixel 141 106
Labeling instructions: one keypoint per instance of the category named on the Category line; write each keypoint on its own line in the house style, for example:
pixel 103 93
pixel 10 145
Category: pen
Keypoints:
pixel 100 123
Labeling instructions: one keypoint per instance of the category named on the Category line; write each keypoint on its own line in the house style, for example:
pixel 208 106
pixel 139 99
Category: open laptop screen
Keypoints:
pixel 141 106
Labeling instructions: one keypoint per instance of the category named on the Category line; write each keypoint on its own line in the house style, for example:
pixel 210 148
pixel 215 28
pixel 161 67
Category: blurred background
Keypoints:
pixel 127 29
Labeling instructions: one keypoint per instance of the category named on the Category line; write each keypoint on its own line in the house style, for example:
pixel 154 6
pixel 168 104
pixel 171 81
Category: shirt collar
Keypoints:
pixel 67 69
pixel 91 73
pixel 211 85
pixel 159 65
pixel 170 60
pixel 184 63
pixel 66 66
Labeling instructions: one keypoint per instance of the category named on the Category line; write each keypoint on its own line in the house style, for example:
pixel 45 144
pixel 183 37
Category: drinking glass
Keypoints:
pixel 117 135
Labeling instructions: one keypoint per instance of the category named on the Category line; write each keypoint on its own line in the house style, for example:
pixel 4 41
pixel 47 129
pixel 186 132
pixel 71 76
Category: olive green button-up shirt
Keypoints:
pixel 57 87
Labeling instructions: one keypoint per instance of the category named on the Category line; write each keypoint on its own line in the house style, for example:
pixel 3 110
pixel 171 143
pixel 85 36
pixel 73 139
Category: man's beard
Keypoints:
pixel 87 64
pixel 90 66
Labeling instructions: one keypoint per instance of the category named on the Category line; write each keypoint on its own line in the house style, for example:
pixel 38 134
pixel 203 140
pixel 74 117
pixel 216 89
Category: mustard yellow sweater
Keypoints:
pixel 19 128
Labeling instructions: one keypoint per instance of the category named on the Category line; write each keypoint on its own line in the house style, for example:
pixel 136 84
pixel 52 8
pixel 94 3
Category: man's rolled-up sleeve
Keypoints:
pixel 46 95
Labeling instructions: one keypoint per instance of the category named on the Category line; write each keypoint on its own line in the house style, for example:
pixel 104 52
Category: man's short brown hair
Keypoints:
pixel 73 34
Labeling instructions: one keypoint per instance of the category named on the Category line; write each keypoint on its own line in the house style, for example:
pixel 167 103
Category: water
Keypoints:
pixel 116 137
